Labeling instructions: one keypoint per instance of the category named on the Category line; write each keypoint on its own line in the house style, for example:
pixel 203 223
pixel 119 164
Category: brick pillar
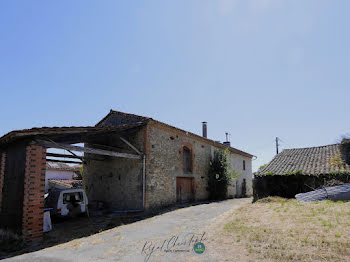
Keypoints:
pixel 34 190
pixel 2 174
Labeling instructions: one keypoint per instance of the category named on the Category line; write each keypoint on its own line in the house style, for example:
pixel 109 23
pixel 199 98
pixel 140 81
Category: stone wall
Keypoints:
pixel 116 181
pixel 164 164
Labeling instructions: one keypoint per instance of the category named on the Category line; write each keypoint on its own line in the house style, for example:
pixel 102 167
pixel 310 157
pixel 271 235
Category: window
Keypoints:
pixel 243 164
pixel 187 160
pixel 72 197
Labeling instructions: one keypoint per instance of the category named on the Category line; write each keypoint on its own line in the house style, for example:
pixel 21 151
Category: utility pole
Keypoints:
pixel 277 145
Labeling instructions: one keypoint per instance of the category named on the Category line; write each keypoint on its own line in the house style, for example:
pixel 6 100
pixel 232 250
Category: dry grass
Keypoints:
pixel 276 229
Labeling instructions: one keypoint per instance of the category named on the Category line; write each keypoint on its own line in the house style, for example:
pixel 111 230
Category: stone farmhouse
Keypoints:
pixel 131 163
pixel 176 166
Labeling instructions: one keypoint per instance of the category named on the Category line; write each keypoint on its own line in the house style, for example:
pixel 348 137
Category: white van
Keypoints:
pixel 66 202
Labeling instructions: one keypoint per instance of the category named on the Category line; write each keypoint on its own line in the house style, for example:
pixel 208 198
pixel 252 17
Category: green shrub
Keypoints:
pixel 221 174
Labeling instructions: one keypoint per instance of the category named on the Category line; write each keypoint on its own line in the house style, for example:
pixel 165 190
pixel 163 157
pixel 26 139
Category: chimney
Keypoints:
pixel 204 129
pixel 227 143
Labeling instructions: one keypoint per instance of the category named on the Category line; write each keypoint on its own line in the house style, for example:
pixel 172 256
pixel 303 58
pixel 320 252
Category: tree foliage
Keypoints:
pixel 81 169
pixel 221 174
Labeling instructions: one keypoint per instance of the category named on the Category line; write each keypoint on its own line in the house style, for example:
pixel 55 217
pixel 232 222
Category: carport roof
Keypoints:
pixel 72 130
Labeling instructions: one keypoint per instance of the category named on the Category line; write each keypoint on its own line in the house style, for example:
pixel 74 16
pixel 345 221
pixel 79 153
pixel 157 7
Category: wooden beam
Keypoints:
pixel 104 147
pixel 88 150
pixel 67 150
pixel 63 155
pixel 130 145
pixel 97 158
pixel 63 161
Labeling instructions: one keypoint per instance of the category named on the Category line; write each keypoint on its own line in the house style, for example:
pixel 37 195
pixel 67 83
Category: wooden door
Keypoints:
pixel 184 189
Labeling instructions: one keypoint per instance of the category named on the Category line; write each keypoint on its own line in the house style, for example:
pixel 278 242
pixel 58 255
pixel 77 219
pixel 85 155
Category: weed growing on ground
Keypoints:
pixel 278 229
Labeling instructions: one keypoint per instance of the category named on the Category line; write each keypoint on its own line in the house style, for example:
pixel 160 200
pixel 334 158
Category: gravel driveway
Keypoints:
pixel 167 237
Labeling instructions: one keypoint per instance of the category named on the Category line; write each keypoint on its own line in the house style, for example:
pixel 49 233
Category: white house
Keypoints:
pixel 59 174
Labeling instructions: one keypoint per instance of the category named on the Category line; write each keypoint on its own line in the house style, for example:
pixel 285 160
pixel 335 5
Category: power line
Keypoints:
pixel 284 142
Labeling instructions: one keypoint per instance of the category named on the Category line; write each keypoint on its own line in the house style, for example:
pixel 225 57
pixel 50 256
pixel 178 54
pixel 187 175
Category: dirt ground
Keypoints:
pixel 68 229
pixel 169 236
pixel 272 229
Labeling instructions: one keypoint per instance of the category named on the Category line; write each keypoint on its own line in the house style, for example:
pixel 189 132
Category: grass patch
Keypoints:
pixel 277 229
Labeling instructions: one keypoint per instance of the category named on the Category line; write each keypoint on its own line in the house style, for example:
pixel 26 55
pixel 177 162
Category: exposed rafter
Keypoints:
pixel 63 161
pixel 63 156
pixel 97 158
pixel 130 145
pixel 95 151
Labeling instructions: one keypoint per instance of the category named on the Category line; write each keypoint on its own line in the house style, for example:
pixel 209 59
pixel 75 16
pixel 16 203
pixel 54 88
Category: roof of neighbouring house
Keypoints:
pixel 61 166
pixel 309 161
pixel 115 118
pixel 67 183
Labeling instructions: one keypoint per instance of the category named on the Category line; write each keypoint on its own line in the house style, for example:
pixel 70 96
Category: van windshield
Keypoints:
pixel 72 197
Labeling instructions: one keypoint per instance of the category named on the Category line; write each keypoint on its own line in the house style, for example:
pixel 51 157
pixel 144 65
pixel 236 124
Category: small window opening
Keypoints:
pixel 187 160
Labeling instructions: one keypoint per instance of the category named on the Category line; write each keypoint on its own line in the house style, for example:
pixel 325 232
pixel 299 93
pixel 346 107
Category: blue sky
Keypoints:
pixel 257 69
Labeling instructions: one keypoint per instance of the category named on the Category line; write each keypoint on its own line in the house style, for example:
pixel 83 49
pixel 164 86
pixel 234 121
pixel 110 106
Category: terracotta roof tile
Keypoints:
pixel 311 161
pixel 61 166
pixel 17 134
pixel 68 183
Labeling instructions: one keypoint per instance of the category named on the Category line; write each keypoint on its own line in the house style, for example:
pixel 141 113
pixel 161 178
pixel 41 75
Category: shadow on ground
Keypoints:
pixel 68 229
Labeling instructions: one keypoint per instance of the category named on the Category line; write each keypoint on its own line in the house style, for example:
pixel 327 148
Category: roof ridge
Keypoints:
pixel 308 160
pixel 310 147
pixel 116 111
pixel 238 151
pixel 120 112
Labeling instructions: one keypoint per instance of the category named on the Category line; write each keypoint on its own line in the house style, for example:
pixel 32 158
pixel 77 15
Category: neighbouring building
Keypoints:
pixel 301 170
pixel 176 166
pixel 61 176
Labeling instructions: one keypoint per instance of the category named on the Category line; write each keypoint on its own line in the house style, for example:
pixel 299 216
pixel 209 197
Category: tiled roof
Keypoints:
pixel 40 131
pixel 310 161
pixel 67 183
pixel 115 118
pixel 61 166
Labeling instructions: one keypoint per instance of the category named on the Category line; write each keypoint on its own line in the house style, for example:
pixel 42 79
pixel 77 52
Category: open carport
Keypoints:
pixel 23 156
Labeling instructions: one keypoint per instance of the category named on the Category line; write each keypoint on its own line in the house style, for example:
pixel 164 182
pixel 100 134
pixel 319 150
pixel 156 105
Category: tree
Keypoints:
pixel 262 167
pixel 221 174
